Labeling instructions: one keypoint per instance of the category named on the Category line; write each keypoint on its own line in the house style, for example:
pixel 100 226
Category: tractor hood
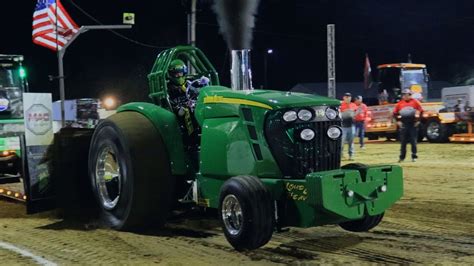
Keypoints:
pixel 268 99
pixel 219 101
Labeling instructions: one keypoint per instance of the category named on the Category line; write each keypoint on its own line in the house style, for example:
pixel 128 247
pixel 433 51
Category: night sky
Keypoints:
pixel 438 33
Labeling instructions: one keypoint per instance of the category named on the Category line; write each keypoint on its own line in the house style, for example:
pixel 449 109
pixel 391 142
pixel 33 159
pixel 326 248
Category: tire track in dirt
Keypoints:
pixel 340 243
pixel 72 244
pixel 275 254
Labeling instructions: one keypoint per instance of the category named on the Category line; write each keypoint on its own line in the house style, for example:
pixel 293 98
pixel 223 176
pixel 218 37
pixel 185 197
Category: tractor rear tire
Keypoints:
pixel 362 225
pixel 246 212
pixel 130 172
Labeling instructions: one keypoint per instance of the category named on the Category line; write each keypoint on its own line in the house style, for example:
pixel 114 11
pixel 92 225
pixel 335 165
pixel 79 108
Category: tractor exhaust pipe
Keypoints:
pixel 240 72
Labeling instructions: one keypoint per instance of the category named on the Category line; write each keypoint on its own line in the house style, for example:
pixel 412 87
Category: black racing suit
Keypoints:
pixel 179 102
pixel 185 113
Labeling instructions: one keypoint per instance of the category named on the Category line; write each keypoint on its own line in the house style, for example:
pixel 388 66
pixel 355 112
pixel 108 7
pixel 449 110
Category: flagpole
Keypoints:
pixel 62 94
pixel 62 51
pixel 331 49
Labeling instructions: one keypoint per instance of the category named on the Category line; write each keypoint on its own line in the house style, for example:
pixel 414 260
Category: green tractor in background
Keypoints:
pixel 13 83
pixel 265 160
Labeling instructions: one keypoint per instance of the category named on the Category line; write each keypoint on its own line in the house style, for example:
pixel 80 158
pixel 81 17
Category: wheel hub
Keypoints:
pixel 232 214
pixel 433 130
pixel 107 178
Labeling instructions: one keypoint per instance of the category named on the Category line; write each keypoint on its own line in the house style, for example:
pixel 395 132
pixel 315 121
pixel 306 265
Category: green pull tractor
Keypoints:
pixel 264 159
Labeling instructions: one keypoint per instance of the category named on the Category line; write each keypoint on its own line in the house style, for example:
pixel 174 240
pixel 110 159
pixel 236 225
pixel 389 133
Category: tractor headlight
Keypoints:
pixel 331 114
pixel 334 132
pixel 290 116
pixel 307 134
pixel 305 115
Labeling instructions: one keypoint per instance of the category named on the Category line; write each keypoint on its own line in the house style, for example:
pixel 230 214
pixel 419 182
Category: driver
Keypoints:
pixel 183 95
pixel 177 85
pixel 179 101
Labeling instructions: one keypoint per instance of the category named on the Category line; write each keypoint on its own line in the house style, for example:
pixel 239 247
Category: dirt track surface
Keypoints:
pixel 433 223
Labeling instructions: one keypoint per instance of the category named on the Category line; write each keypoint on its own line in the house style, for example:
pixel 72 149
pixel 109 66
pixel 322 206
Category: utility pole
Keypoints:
pixel 192 23
pixel 192 29
pixel 61 52
pixel 331 61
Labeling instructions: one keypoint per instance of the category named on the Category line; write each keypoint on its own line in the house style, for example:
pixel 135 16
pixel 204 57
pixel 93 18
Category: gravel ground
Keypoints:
pixel 433 223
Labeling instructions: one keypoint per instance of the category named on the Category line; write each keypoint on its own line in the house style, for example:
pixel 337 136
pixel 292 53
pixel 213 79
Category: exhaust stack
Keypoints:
pixel 240 72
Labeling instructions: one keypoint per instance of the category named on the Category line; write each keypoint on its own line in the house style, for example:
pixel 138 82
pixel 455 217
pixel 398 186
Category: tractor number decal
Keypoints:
pixel 296 192
pixel 222 99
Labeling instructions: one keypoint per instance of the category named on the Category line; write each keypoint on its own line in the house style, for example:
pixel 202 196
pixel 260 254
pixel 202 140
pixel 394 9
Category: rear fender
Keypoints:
pixel 166 123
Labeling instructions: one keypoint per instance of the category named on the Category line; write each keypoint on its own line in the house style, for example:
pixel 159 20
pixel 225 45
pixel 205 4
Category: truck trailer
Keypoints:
pixel 459 102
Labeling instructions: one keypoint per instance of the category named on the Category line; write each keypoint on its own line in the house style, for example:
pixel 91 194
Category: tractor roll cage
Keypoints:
pixel 157 78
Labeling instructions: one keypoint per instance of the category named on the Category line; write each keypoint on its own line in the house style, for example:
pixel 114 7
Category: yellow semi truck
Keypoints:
pixel 437 123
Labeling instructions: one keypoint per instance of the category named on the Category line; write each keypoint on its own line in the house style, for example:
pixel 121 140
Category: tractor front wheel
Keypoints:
pixel 362 225
pixel 130 172
pixel 246 212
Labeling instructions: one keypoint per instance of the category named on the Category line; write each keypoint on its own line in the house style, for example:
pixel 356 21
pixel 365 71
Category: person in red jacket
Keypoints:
pixel 408 111
pixel 348 110
pixel 360 116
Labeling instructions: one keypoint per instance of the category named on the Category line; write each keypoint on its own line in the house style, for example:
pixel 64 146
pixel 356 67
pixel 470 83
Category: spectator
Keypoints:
pixel 408 110
pixel 348 110
pixel 461 110
pixel 383 97
pixel 460 106
pixel 360 116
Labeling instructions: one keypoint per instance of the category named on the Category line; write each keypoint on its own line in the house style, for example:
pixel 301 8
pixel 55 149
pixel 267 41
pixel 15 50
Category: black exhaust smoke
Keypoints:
pixel 236 20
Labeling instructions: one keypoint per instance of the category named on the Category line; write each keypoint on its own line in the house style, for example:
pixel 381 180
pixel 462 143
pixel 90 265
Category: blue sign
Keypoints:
pixel 4 104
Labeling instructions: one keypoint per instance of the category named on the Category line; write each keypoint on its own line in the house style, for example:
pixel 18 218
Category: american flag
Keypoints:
pixel 367 73
pixel 52 25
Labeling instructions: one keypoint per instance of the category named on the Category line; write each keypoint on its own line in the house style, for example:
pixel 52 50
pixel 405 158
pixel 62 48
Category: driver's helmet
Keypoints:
pixel 177 72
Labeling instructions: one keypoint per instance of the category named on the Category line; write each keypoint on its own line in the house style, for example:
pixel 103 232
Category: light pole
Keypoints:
pixel 265 66
pixel 192 29
pixel 331 42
